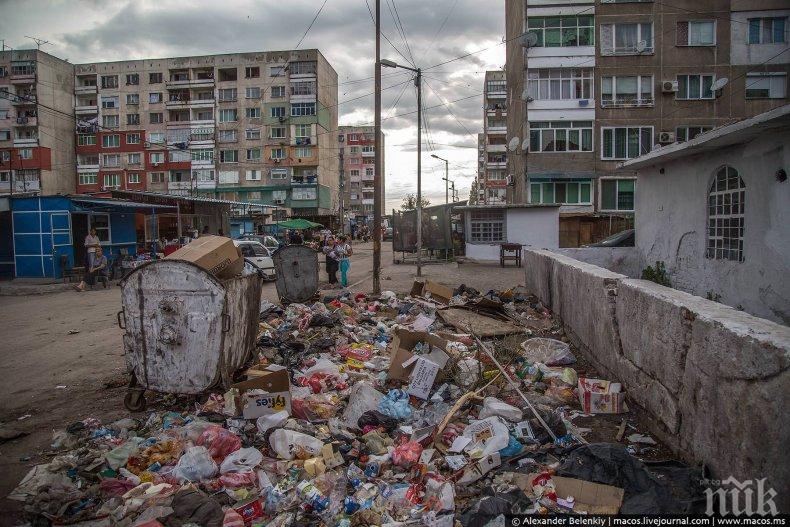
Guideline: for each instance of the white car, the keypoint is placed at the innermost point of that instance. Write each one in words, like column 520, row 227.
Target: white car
column 259, row 255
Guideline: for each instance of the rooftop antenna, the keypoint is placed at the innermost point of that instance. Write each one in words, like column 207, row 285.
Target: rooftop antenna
column 39, row 41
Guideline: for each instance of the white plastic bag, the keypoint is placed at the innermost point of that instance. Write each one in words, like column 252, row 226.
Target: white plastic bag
column 363, row 397
column 322, row 366
column 195, row 465
column 493, row 406
column 550, row 352
column 494, row 436
column 289, row 444
column 468, row 373
column 266, row 422
column 242, row 460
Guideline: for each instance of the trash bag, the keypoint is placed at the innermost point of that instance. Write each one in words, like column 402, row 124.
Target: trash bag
column 490, row 507
column 267, row 422
column 396, row 405
column 493, row 406
column 242, row 460
column 195, row 465
column 377, row 419
column 611, row 464
column 550, row 352
column 219, row 441
column 192, row 506
column 289, row 444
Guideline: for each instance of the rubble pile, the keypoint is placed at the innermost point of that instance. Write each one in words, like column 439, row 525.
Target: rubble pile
column 442, row 408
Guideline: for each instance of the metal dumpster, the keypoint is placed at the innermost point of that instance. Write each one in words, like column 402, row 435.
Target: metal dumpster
column 296, row 267
column 185, row 330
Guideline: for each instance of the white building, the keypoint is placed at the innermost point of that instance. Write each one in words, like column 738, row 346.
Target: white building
column 716, row 211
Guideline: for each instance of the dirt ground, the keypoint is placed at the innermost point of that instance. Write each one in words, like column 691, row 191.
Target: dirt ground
column 62, row 357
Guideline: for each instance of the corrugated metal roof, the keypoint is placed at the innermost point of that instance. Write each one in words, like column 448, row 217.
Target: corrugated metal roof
column 197, row 199
column 116, row 203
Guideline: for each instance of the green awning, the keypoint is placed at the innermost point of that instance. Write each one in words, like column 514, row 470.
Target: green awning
column 298, row 223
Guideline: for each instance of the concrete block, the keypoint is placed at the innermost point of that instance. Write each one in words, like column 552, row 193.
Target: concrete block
column 537, row 270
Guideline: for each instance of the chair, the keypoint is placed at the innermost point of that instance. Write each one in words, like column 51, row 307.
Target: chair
column 70, row 272
column 506, row 248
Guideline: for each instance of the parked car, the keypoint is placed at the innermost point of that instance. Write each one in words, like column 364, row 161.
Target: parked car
column 621, row 239
column 255, row 252
column 270, row 242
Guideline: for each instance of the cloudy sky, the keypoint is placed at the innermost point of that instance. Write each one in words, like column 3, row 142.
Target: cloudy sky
column 436, row 31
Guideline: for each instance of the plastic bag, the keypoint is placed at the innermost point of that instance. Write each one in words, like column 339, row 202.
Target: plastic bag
column 195, row 465
column 548, row 351
column 491, row 433
column 406, row 454
column 117, row 457
column 396, row 405
column 266, row 422
column 242, row 460
column 362, row 398
column 376, row 419
column 493, row 406
column 289, row 444
column 513, row 447
column 468, row 373
column 315, row 407
column 219, row 441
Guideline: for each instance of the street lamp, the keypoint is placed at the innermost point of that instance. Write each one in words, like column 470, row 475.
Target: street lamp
column 418, row 83
column 445, row 178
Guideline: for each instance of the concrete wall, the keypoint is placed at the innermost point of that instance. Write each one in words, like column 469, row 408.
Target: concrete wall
column 713, row 378
column 534, row 227
column 672, row 218
column 623, row 260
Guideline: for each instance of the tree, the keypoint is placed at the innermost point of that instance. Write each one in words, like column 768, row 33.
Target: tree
column 410, row 202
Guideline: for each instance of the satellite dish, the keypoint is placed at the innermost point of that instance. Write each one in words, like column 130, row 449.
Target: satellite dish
column 528, row 40
column 719, row 84
column 513, row 144
column 525, row 96
column 525, row 146
column 641, row 46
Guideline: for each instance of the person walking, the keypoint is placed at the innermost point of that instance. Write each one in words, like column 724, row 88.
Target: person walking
column 332, row 259
column 344, row 251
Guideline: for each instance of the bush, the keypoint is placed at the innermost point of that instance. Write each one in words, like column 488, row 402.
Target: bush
column 657, row 274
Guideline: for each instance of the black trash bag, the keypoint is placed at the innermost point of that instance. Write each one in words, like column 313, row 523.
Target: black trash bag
column 193, row 506
column 684, row 482
column 321, row 320
column 376, row 418
column 492, row 505
column 322, row 344
column 611, row 464
column 554, row 422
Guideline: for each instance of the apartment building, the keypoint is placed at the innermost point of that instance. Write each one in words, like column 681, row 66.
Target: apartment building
column 36, row 123
column 477, row 188
column 607, row 81
column 254, row 127
column 357, row 162
column 493, row 180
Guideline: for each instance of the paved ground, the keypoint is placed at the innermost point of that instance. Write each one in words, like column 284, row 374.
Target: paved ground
column 62, row 358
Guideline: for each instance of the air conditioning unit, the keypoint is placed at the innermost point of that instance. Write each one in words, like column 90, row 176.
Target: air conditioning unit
column 156, row 164
column 282, row 119
column 279, row 202
column 666, row 137
column 669, row 86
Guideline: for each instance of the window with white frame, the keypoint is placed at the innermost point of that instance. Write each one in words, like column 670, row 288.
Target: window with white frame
column 202, row 154
column 157, row 177
column 696, row 33
column 560, row 84
column 101, row 221
column 687, row 133
column 254, row 155
column 279, row 195
column 134, row 159
column 155, row 97
column 768, row 30
column 109, row 101
column 132, row 139
column 253, row 113
column 133, row 177
column 303, row 130
column 110, row 121
column 278, row 91
column 301, row 194
column 228, row 156
column 299, row 109
column 496, row 175
column 278, row 173
column 560, row 136
column 691, row 87
column 277, row 132
column 303, row 88
column 252, row 133
column 228, row 115
column 204, row 175
column 112, row 181
column 253, row 175
column 132, row 98
column 227, row 94
column 565, row 192
column 5, row 156
column 155, row 78
column 253, row 92
column 766, row 85
column 559, row 31
column 226, row 136
column 111, row 160
column 496, row 194
column 627, row 38
column 278, row 153
column 109, row 81
column 617, row 194
column 626, row 142
column 277, row 71
column 726, row 216
column 487, row 226
column 132, row 79
column 252, row 72
column 627, row 90
column 354, row 150
column 82, row 139
column 303, row 151
column 180, row 156
column 156, row 138
column 303, row 67
column 156, row 157
column 368, row 149
column 89, row 178
column 354, row 173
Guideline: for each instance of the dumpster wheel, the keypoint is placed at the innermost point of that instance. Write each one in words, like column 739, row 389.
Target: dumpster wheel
column 134, row 401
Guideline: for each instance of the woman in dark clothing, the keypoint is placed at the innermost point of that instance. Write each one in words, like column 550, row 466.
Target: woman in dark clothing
column 332, row 259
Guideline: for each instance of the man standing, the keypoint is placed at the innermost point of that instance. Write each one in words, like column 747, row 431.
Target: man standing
column 332, row 259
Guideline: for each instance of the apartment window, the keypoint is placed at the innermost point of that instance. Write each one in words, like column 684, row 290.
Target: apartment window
column 134, row 159
column 726, row 216
column 109, row 101
column 687, row 133
column 227, row 94
column 157, row 177
column 766, row 85
column 3, row 73
column 354, row 173
column 132, row 118
column 626, row 39
column 252, row 72
column 157, row 157
column 254, row 155
column 154, row 97
column 179, row 156
column 487, row 226
column 368, row 149
column 496, row 175
column 277, row 132
column 228, row 156
column 227, row 74
column 354, row 150
column 562, row 192
column 627, row 90
column 132, row 98
column 626, row 142
column 559, row 31
column 560, row 136
column 89, row 178
column 227, row 136
column 205, row 175
column 253, row 93
column 156, row 118
column 111, row 141
column 253, row 133
column 132, row 79
column 111, row 160
column 303, row 88
column 276, row 71
column 25, row 153
column 278, row 91
column 133, row 177
column 496, row 122
column 302, row 108
column 254, row 175
column 155, row 138
column 770, row 30
column 496, row 86
column 694, row 87
column 205, row 115
column 277, row 111
column 132, row 139
column 278, row 153
column 155, row 78
column 303, row 130
column 303, row 151
column 301, row 194
column 279, row 173
column 304, row 67
column 255, row 195
column 368, row 172
column 109, row 81
column 82, row 139
column 202, row 154
column 5, row 156
column 560, row 84
column 253, row 113
column 696, row 33
column 111, row 181
column 228, row 115
column 617, row 194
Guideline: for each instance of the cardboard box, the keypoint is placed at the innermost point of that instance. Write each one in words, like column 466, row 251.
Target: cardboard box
column 592, row 498
column 215, row 254
column 403, row 341
column 601, row 397
column 437, row 292
column 276, row 384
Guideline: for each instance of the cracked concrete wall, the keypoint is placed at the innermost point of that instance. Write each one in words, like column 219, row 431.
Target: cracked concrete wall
column 715, row 380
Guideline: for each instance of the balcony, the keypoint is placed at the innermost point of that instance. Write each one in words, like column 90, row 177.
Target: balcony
column 302, row 141
column 189, row 83
column 497, row 130
column 86, row 109
column 85, row 90
column 23, row 78
column 496, row 148
column 23, row 99
column 627, row 102
column 28, row 120
column 26, row 142
column 28, row 184
column 88, row 165
column 179, row 185
column 205, row 184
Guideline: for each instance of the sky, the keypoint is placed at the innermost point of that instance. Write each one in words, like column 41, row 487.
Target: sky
column 435, row 30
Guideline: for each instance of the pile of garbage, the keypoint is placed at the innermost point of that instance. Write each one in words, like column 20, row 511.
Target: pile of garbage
column 440, row 408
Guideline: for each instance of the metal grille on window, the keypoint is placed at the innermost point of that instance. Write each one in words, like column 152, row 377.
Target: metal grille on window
column 487, row 225
column 726, row 216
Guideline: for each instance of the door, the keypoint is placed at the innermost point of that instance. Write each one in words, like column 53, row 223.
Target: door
column 61, row 242
column 585, row 233
column 79, row 230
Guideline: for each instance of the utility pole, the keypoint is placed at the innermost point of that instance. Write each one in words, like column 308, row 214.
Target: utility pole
column 418, row 83
column 378, row 167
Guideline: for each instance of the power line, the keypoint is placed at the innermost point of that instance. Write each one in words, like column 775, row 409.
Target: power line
column 403, row 32
column 384, row 35
column 441, row 27
column 474, row 136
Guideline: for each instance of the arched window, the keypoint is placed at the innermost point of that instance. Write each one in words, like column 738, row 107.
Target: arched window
column 726, row 217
